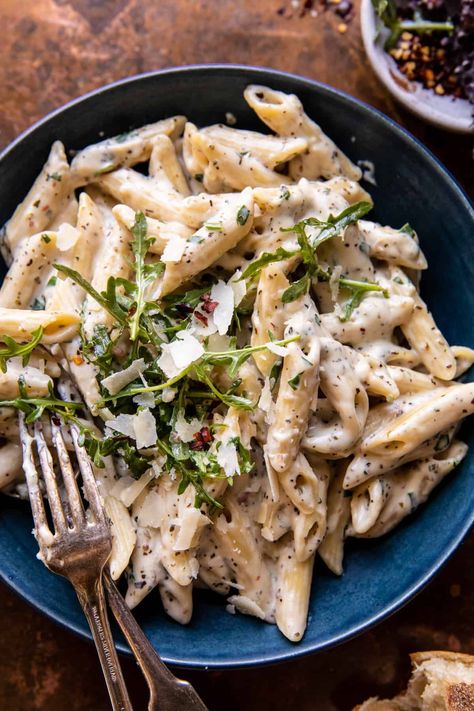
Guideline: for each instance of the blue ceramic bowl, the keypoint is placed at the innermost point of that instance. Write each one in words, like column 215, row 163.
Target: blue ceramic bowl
column 412, row 186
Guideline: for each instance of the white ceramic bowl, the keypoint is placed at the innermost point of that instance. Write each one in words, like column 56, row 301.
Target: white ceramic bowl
column 443, row 111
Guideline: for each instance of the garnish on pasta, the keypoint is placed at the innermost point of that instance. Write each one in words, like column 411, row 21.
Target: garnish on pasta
column 247, row 358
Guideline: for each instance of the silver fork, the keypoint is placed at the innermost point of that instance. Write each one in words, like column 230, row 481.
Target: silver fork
column 80, row 544
column 78, row 549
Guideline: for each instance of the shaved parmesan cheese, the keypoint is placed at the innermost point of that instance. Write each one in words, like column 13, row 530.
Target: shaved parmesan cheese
column 277, row 350
column 227, row 459
column 144, row 399
column 266, row 403
column 67, row 237
column 204, row 326
column 144, row 426
column 246, row 606
column 224, row 295
column 140, row 427
column 177, row 355
column 168, row 394
column 189, row 523
column 123, row 424
column 186, row 430
column 238, row 287
column 115, row 382
column 174, row 250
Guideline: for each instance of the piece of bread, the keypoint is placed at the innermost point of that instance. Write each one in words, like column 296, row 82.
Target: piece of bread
column 440, row 681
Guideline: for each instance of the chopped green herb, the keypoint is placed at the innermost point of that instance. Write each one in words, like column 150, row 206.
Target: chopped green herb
column 213, row 227
column 408, row 229
column 285, row 193
column 45, row 238
column 39, row 303
column 53, row 176
column 14, row 349
column 243, row 215
column 294, row 382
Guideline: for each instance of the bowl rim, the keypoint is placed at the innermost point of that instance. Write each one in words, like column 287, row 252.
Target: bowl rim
column 415, row 103
column 302, row 649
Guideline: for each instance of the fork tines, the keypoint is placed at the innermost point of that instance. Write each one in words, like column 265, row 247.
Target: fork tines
column 65, row 502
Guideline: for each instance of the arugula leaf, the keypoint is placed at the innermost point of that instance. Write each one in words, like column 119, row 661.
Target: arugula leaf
column 99, row 348
column 358, row 290
column 266, row 258
column 297, row 289
column 143, row 277
column 408, row 229
column 14, row 349
column 333, row 226
column 106, row 299
column 33, row 407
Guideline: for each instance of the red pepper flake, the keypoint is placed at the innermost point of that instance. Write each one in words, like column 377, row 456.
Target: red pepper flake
column 206, row 434
column 201, row 438
column 200, row 317
column 132, row 310
column 78, row 360
column 45, row 208
column 208, row 305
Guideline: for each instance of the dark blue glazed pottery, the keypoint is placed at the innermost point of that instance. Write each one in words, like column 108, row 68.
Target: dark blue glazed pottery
column 412, row 186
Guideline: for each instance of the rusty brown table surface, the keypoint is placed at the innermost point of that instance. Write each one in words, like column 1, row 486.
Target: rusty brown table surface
column 54, row 50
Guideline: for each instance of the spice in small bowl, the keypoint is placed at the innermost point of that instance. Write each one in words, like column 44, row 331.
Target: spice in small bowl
column 432, row 42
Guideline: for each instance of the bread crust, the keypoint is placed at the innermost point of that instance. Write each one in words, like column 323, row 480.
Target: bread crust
column 420, row 657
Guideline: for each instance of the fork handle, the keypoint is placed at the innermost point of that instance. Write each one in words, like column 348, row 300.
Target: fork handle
column 92, row 600
column 167, row 693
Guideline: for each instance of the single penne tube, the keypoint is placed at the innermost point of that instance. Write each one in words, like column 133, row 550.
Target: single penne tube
column 227, row 169
column 20, row 324
column 145, row 571
column 44, row 201
column 348, row 397
column 284, row 114
column 366, row 465
column 464, row 359
column 309, row 528
column 374, row 320
column 11, row 461
column 419, row 423
column 127, row 149
column 331, row 550
column 271, row 150
column 142, row 194
column 268, row 316
column 160, row 232
column 294, row 404
column 409, row 380
column 367, row 502
column 237, row 538
column 177, row 599
column 33, row 257
column 293, row 589
column 410, row 486
column 391, row 245
column 228, row 226
column 301, row 485
column 164, row 166
column 36, row 382
column 123, row 536
column 421, row 331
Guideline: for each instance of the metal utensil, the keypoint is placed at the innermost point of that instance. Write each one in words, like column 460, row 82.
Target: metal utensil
column 167, row 693
column 80, row 544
